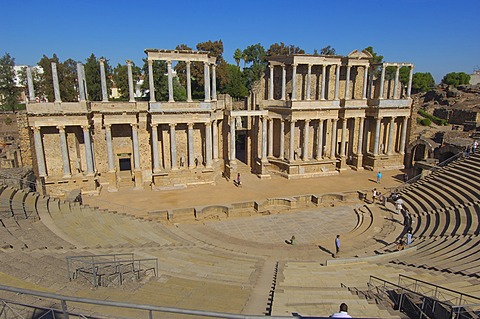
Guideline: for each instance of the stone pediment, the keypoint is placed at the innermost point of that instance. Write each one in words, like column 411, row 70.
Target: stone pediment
column 364, row 54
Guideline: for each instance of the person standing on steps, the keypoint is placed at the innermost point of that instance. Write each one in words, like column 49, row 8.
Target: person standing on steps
column 337, row 246
column 474, row 147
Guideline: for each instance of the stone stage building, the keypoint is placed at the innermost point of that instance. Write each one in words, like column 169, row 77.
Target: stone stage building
column 307, row 116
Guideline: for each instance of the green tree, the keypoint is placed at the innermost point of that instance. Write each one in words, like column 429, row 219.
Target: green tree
column 160, row 80
column 328, row 50
column 120, row 78
column 255, row 56
column 68, row 81
column 45, row 87
column 456, row 79
column 215, row 49
column 9, row 92
column 93, row 79
column 282, row 49
column 422, row 82
column 236, row 84
column 376, row 58
column 237, row 55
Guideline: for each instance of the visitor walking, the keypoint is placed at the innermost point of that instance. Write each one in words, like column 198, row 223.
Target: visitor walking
column 238, row 180
column 379, row 177
column 474, row 146
column 337, row 245
column 374, row 195
column 409, row 237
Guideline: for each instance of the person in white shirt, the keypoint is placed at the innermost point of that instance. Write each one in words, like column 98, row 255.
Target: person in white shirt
column 343, row 313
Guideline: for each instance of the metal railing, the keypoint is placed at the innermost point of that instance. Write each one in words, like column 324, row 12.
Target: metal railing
column 105, row 269
column 454, row 297
column 141, row 310
column 416, row 303
column 418, row 177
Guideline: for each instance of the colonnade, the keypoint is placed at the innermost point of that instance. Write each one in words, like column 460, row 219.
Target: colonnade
column 318, row 151
column 347, row 93
column 210, row 81
column 39, row 151
column 210, row 146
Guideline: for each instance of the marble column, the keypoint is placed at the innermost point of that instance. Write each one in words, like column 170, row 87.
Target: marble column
column 337, row 81
column 270, row 92
column 88, row 149
column 382, row 82
column 108, row 137
column 343, row 143
column 191, row 151
column 390, row 135
column 264, row 138
column 131, row 87
column 347, row 83
column 31, row 90
column 410, row 78
column 306, row 140
column 214, row 82
column 403, row 136
column 270, row 137
column 284, row 82
column 64, row 149
column 333, row 145
column 282, row 139
column 189, row 82
column 56, row 86
column 324, row 78
column 294, row 82
column 208, row 144
column 156, row 162
column 151, row 83
column 37, row 136
column 309, row 80
column 215, row 140
column 81, row 88
column 84, row 81
column 319, row 150
column 360, row 136
column 136, row 150
column 173, row 146
column 365, row 79
column 170, row 82
column 206, row 80
column 233, row 155
column 103, row 79
column 395, row 85
column 377, row 135
column 291, row 156
column 370, row 86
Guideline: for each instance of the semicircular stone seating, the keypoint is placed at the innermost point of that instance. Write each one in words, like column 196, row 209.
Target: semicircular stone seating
column 196, row 273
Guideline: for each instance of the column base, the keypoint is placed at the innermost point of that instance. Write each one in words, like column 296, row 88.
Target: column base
column 138, row 180
column 358, row 162
column 342, row 163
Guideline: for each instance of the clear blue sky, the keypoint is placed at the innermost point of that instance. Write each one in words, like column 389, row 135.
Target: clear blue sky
column 438, row 36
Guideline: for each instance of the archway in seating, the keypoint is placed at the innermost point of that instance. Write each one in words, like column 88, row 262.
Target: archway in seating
column 419, row 150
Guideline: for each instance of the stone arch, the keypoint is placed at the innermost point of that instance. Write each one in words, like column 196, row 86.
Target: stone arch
column 448, row 150
column 419, row 150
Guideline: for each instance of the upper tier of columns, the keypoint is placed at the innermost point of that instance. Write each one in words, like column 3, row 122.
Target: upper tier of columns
column 328, row 70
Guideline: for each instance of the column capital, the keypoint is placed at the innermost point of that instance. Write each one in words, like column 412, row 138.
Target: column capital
column 101, row 60
column 85, row 127
column 208, row 123
column 36, row 128
column 150, row 62
column 107, row 126
column 271, row 66
column 61, row 127
column 128, row 62
column 154, row 125
column 169, row 62
column 282, row 65
column 188, row 62
column 190, row 125
column 307, row 120
column 294, row 65
column 310, row 66
column 172, row 125
column 134, row 125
